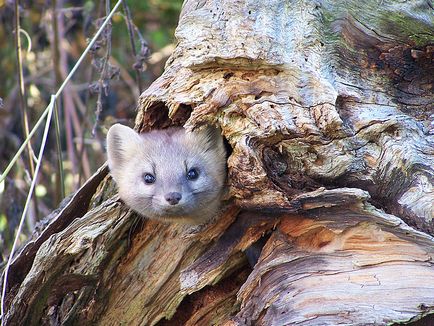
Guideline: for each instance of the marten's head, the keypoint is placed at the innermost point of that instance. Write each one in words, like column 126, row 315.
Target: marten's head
column 169, row 174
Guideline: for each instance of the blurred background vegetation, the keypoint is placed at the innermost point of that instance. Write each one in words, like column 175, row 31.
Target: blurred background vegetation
column 104, row 90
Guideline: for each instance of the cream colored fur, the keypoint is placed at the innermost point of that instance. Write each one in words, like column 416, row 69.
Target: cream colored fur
column 168, row 155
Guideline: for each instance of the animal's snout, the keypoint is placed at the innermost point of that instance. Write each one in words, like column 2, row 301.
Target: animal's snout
column 173, row 198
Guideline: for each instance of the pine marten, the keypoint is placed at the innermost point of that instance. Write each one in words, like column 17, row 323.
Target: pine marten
column 171, row 175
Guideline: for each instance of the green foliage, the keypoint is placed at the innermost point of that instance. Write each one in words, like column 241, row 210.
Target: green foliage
column 3, row 222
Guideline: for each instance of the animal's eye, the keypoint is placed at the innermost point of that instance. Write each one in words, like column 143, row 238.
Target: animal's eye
column 148, row 178
column 192, row 174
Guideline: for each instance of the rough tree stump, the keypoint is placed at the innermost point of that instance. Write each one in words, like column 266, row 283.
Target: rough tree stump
column 328, row 110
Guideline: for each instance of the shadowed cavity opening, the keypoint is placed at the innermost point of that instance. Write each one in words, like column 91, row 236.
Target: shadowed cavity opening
column 156, row 116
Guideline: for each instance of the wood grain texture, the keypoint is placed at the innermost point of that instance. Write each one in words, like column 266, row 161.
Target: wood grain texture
column 328, row 109
column 335, row 92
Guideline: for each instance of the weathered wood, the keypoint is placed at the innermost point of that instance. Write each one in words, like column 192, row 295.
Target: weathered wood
column 328, row 110
column 320, row 268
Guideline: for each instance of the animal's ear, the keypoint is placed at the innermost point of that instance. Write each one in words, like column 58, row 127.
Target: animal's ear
column 214, row 139
column 122, row 142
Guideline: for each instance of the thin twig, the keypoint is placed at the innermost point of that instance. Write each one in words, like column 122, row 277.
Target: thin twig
column 68, row 106
column 87, row 107
column 133, row 43
column 28, row 38
column 103, row 82
column 78, row 130
column 22, row 97
column 84, row 166
column 60, row 176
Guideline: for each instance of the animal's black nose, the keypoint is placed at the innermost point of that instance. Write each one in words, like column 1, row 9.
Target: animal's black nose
column 173, row 197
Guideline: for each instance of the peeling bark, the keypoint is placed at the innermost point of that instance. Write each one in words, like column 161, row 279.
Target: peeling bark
column 328, row 110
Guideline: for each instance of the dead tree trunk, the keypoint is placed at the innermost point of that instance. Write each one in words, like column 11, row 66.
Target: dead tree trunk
column 328, row 109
